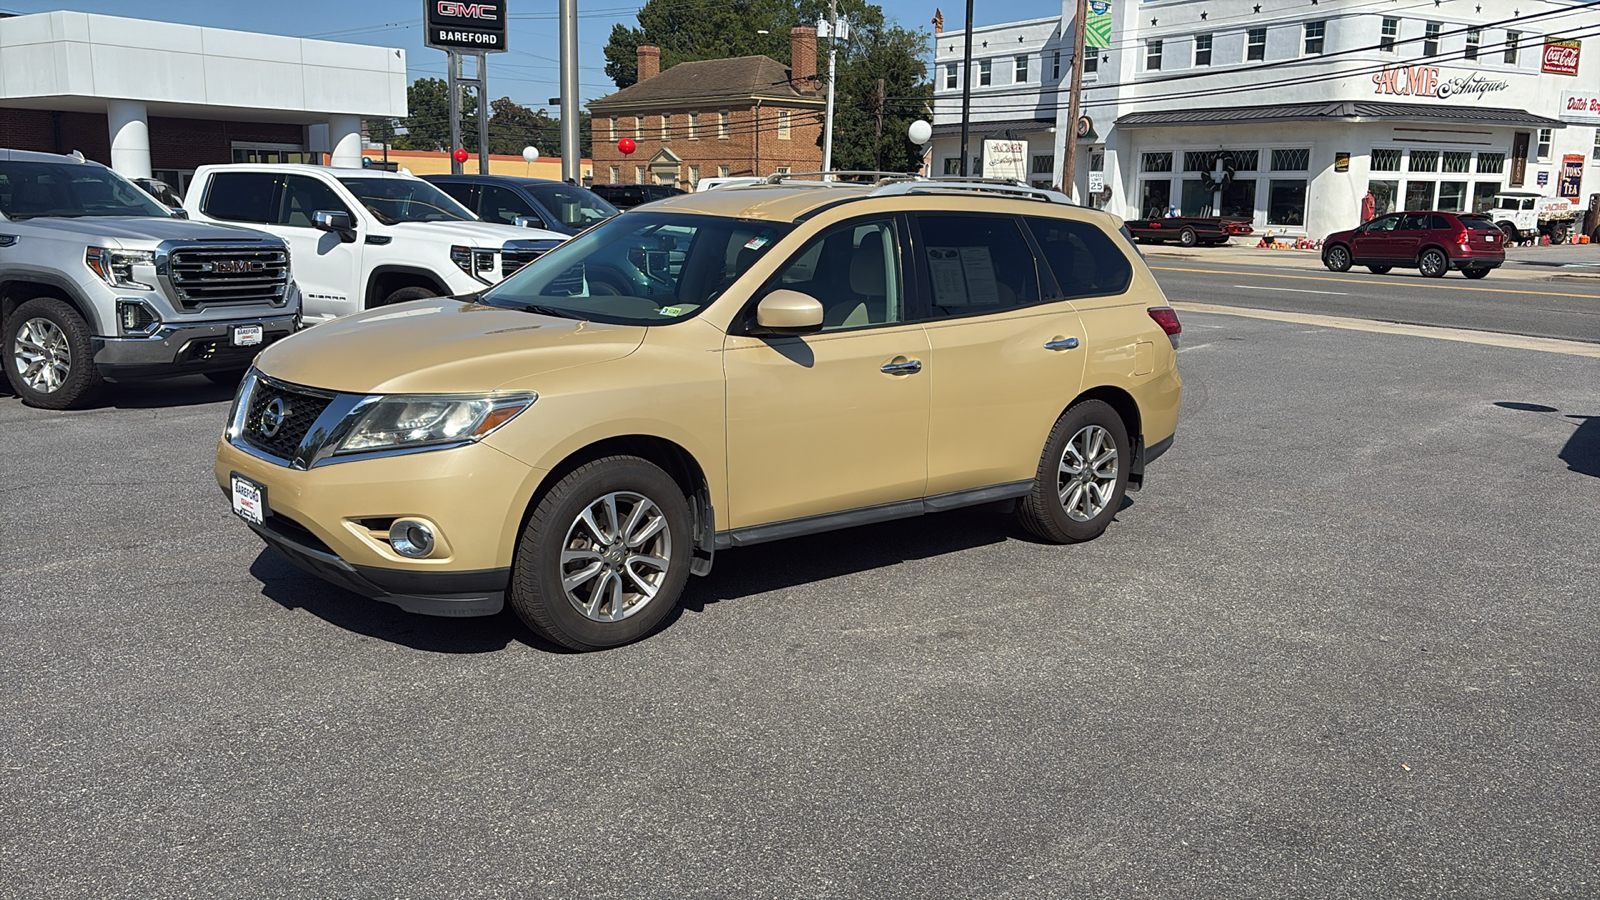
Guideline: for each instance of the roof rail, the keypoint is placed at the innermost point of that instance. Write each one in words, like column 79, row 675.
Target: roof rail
column 856, row 176
column 921, row 185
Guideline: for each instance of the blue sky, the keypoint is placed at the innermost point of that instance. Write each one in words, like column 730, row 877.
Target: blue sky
column 527, row 74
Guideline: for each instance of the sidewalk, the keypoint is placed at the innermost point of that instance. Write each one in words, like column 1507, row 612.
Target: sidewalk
column 1522, row 263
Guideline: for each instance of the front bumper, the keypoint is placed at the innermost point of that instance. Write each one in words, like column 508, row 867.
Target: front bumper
column 330, row 520
column 181, row 349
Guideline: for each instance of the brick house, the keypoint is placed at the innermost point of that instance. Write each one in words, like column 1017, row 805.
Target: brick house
column 743, row 116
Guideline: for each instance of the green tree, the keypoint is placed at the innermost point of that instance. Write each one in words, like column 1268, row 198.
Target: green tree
column 428, row 125
column 869, row 132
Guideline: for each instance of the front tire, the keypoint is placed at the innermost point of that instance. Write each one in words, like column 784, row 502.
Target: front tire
column 1187, row 238
column 407, row 294
column 605, row 555
column 1380, row 270
column 1433, row 263
column 1337, row 258
column 1082, row 476
column 48, row 358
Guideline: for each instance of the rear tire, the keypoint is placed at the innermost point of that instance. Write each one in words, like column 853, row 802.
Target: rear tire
column 605, row 555
column 1380, row 270
column 1082, row 476
column 407, row 294
column 1558, row 234
column 1187, row 238
column 1433, row 263
column 1476, row 273
column 48, row 358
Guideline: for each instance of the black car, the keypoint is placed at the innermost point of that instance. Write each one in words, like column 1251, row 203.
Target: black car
column 627, row 196
column 553, row 205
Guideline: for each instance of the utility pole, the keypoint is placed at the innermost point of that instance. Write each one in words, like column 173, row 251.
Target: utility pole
column 570, row 166
column 879, row 101
column 833, row 59
column 1069, row 166
column 966, row 88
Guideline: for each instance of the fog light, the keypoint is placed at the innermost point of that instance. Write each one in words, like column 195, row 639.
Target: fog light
column 411, row 538
column 137, row 318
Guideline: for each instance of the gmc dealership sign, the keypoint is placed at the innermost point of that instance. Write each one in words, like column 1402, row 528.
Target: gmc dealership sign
column 478, row 27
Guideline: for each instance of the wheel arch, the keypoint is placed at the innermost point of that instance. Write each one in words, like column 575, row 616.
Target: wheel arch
column 1127, row 409
column 385, row 280
column 15, row 291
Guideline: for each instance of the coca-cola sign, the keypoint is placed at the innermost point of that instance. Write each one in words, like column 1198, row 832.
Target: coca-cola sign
column 1561, row 57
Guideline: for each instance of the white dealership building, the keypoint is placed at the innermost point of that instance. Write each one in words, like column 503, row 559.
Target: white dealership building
column 1289, row 111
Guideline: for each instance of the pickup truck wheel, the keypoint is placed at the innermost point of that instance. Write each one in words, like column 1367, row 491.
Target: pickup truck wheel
column 48, row 358
column 1510, row 231
column 605, row 555
column 407, row 294
column 1187, row 238
column 1380, row 270
column 1082, row 477
column 1558, row 234
column 1433, row 263
column 1337, row 258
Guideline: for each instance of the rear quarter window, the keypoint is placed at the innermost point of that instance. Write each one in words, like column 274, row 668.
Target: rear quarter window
column 242, row 197
column 1479, row 223
column 1084, row 259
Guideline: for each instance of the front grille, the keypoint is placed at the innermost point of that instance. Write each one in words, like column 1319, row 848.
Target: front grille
column 300, row 410
column 512, row 260
column 204, row 276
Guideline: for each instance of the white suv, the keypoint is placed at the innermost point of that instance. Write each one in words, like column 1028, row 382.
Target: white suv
column 364, row 238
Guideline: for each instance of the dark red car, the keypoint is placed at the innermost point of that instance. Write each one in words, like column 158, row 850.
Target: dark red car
column 1433, row 242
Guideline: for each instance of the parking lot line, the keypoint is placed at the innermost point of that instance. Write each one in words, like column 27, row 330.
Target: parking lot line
column 1462, row 335
column 1420, row 284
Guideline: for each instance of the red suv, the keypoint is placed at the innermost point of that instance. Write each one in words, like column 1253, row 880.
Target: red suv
column 1434, row 242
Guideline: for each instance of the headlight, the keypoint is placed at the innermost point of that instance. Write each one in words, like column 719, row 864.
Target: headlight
column 115, row 267
column 472, row 261
column 419, row 421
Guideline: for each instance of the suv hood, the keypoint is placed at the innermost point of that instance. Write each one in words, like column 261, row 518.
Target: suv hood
column 140, row 232
column 479, row 235
column 441, row 346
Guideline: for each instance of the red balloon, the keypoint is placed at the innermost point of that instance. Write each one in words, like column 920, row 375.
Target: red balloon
column 627, row 146
column 461, row 154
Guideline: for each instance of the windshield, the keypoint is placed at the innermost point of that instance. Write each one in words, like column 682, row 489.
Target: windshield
column 394, row 200
column 575, row 207
column 640, row 269
column 29, row 189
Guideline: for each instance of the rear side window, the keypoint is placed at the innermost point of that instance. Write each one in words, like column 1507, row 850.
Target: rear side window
column 1437, row 223
column 976, row 264
column 243, row 197
column 1479, row 223
column 1084, row 259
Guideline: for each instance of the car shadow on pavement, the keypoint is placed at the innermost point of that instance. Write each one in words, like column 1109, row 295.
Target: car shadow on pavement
column 288, row 586
column 191, row 390
column 1581, row 453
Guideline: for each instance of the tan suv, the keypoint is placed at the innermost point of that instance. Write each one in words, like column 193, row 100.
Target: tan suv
column 715, row 370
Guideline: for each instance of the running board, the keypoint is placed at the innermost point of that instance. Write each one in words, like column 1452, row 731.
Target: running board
column 867, row 515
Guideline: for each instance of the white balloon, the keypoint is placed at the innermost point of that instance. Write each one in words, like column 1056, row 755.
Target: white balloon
column 530, row 154
column 920, row 132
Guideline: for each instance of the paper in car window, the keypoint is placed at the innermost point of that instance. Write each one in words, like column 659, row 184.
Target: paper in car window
column 949, row 283
column 982, row 289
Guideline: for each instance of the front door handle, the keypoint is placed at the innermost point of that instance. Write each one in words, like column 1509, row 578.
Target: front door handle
column 902, row 366
column 1062, row 344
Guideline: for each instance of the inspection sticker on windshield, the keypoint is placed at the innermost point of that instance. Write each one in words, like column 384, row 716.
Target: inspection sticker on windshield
column 757, row 242
column 671, row 310
column 246, row 335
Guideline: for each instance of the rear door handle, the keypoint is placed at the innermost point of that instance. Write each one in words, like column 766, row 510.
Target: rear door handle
column 1062, row 344
column 903, row 366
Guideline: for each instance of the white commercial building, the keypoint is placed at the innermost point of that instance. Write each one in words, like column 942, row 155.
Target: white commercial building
column 1291, row 111
column 163, row 98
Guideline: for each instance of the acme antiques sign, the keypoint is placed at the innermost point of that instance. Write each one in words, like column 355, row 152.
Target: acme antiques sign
column 1429, row 81
column 1561, row 57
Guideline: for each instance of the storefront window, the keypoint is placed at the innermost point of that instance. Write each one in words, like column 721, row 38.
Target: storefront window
column 1453, row 196
column 1384, row 194
column 1483, row 195
column 1419, row 195
column 1239, row 199
column 1491, row 163
column 1457, row 161
column 1245, row 160
column 1196, row 160
column 1155, row 198
column 1286, row 202
column 1424, row 161
column 1385, row 159
column 1296, row 160
column 1196, row 198
column 1156, row 162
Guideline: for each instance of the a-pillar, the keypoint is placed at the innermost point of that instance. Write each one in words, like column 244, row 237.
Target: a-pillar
column 130, row 138
column 344, row 139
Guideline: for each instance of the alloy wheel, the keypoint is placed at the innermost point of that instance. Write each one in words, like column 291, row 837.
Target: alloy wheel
column 42, row 355
column 1086, row 478
column 615, row 557
column 1338, row 259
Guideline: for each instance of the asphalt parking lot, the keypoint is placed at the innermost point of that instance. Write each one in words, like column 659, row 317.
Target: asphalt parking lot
column 1344, row 644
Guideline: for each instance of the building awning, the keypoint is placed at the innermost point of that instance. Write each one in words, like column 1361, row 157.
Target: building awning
column 999, row 126
column 1344, row 112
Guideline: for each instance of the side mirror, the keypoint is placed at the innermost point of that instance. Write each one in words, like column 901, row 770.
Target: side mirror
column 528, row 222
column 789, row 312
column 178, row 212
column 336, row 222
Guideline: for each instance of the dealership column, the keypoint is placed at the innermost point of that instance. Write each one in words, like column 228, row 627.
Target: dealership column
column 130, row 138
column 344, row 139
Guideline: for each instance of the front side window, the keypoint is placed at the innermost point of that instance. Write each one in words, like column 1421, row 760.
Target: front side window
column 640, row 269
column 1386, row 223
column 574, row 206
column 1315, row 34
column 304, row 197
column 1430, row 39
column 497, row 204
column 1084, row 260
column 854, row 272
column 985, row 73
column 1152, row 55
column 976, row 264
column 1202, row 50
column 395, row 200
column 29, row 189
column 1255, row 46
column 1390, row 31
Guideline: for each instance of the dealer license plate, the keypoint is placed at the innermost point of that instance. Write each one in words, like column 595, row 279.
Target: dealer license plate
column 246, row 335
column 249, row 500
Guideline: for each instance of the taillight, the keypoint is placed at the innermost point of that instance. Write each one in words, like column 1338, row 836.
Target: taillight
column 1462, row 237
column 1167, row 318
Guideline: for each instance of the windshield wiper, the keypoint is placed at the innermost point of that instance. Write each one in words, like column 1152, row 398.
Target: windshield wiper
column 550, row 311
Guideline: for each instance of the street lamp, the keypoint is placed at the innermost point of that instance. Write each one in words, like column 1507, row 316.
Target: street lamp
column 920, row 134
